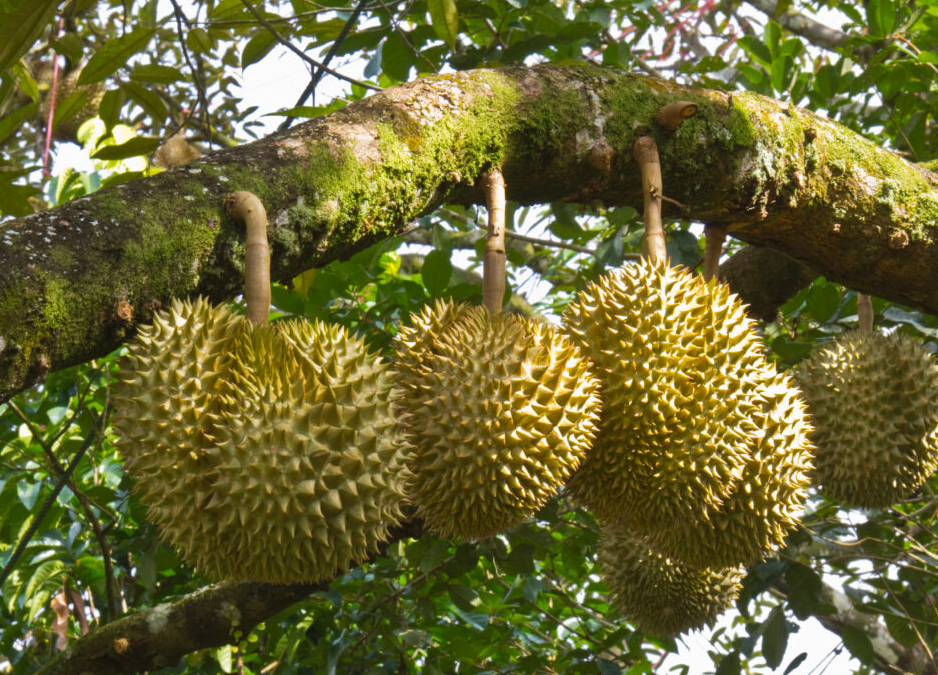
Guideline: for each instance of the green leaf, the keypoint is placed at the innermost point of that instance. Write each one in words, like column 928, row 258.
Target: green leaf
column 257, row 48
column 795, row 662
column 445, row 20
column 148, row 100
column 772, row 37
column 223, row 656
column 46, row 571
column 464, row 598
column 775, row 638
column 154, row 72
column 521, row 559
column 858, row 643
column 13, row 120
column 20, row 28
column 110, row 109
column 729, row 665
column 881, row 17
column 822, row 302
column 396, row 58
column 199, row 41
column 114, row 54
column 135, row 147
column 900, row 629
column 69, row 45
column 436, row 271
column 68, row 107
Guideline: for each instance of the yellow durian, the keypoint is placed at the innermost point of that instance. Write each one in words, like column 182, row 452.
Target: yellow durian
column 265, row 452
column 497, row 412
column 874, row 400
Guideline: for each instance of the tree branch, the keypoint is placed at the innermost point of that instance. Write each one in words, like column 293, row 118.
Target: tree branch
column 815, row 32
column 773, row 174
column 217, row 615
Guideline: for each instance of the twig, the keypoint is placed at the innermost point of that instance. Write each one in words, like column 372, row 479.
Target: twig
column 303, row 55
column 196, row 76
column 310, row 90
column 407, row 42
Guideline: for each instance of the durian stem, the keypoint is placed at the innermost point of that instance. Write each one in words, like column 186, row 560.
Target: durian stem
column 245, row 206
column 670, row 116
column 493, row 264
column 645, row 153
column 865, row 312
column 715, row 236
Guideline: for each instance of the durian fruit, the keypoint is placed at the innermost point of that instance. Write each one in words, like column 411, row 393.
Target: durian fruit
column 682, row 370
column 168, row 386
column 767, row 501
column 497, row 412
column 874, row 400
column 265, row 452
column 658, row 595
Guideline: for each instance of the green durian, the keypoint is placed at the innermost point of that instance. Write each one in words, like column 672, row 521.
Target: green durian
column 497, row 412
column 682, row 370
column 286, row 467
column 658, row 595
column 874, row 400
column 765, row 503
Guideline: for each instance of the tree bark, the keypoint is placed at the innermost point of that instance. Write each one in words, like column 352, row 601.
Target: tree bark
column 74, row 281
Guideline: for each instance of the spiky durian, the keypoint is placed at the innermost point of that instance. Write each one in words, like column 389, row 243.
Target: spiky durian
column 765, row 504
column 681, row 368
column 295, row 471
column 168, row 385
column 874, row 400
column 497, row 412
column 658, row 595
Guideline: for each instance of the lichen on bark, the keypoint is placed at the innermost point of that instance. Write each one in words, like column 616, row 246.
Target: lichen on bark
column 772, row 173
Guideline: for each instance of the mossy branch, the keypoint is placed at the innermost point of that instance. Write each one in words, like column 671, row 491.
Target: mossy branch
column 75, row 280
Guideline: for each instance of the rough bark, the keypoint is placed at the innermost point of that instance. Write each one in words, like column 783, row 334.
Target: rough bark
column 774, row 174
column 158, row 637
column 217, row 615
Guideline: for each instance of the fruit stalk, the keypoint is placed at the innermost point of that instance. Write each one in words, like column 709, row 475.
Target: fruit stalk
column 246, row 207
column 865, row 312
column 493, row 264
column 715, row 236
column 645, row 153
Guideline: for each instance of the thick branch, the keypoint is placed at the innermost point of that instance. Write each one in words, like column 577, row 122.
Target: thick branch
column 211, row 617
column 815, row 32
column 773, row 174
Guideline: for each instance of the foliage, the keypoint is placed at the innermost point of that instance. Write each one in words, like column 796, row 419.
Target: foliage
column 529, row 601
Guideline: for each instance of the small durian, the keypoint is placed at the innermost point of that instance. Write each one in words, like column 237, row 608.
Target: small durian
column 681, row 368
column 265, row 452
column 658, row 595
column 767, row 501
column 497, row 412
column 874, row 400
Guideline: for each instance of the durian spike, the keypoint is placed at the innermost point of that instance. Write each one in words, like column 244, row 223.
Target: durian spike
column 245, row 206
column 493, row 264
column 645, row 153
column 715, row 236
column 865, row 312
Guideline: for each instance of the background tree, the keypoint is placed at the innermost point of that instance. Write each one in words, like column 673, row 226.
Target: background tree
column 83, row 568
